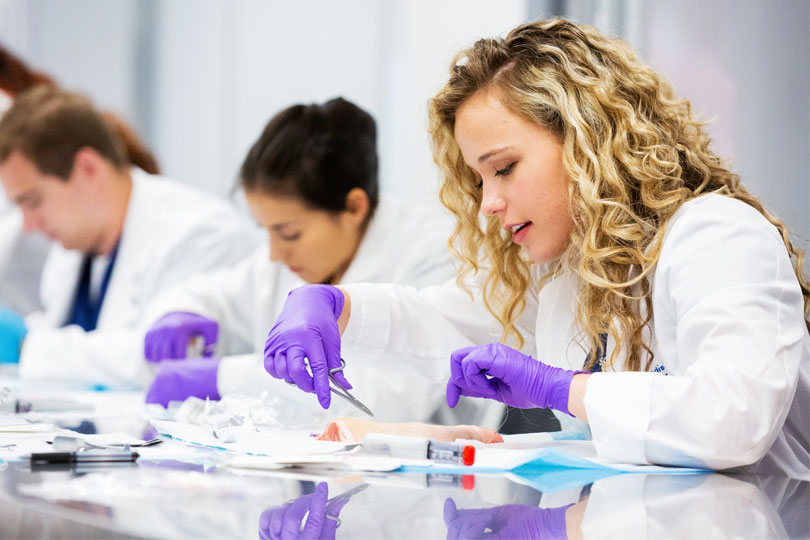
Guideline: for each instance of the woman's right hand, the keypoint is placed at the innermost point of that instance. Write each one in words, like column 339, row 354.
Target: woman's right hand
column 307, row 330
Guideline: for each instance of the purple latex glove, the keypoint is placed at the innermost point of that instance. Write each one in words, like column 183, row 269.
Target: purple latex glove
column 175, row 381
column 512, row 521
column 285, row 521
column 169, row 336
column 498, row 372
column 305, row 330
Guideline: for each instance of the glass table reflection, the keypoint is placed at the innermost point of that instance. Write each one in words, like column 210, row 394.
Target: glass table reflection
column 172, row 499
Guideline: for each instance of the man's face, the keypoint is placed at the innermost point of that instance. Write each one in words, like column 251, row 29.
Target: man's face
column 62, row 210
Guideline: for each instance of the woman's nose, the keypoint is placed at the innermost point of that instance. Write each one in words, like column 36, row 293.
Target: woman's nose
column 275, row 252
column 492, row 201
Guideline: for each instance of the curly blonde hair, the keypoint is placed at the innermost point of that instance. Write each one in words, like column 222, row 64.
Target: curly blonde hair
column 634, row 153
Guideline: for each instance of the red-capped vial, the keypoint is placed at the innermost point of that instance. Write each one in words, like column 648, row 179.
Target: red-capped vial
column 468, row 455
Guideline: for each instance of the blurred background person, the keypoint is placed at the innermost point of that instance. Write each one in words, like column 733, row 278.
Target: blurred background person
column 311, row 180
column 22, row 255
column 123, row 235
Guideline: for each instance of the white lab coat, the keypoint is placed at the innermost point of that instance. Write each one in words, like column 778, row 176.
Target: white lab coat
column 407, row 246
column 731, row 380
column 21, row 259
column 171, row 231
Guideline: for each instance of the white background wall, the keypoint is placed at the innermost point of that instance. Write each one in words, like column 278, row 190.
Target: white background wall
column 746, row 65
column 199, row 78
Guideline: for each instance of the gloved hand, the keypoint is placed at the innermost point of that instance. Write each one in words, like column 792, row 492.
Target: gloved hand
column 501, row 373
column 512, row 521
column 12, row 333
column 169, row 336
column 285, row 521
column 307, row 329
column 175, row 381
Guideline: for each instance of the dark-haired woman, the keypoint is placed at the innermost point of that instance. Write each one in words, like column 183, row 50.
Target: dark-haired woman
column 311, row 181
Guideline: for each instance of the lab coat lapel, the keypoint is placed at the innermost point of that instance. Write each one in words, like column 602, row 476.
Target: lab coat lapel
column 121, row 302
column 59, row 287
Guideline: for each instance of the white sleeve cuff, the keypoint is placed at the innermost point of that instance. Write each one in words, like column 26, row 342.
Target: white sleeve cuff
column 618, row 408
column 242, row 374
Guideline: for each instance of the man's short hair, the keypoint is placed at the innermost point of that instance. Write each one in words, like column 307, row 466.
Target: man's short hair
column 49, row 126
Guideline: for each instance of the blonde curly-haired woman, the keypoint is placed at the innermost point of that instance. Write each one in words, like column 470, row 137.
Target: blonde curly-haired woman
column 597, row 232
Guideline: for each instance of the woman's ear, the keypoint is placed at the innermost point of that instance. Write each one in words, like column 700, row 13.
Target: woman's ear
column 357, row 205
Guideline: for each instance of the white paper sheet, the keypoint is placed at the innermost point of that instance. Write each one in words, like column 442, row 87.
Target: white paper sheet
column 274, row 443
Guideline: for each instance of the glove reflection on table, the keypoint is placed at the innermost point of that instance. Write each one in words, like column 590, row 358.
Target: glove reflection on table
column 178, row 380
column 307, row 329
column 513, row 521
column 12, row 333
column 169, row 337
column 498, row 372
column 287, row 521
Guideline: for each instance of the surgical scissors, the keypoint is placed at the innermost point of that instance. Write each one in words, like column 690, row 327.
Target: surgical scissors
column 340, row 391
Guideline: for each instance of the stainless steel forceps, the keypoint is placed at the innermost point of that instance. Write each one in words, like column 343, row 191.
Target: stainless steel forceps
column 342, row 392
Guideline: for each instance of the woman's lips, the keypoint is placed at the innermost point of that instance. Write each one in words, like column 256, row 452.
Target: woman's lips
column 520, row 234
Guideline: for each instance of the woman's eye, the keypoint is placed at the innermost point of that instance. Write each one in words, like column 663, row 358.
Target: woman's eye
column 480, row 185
column 290, row 237
column 33, row 204
column 505, row 171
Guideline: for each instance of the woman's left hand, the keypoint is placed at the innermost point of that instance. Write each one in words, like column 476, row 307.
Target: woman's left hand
column 498, row 372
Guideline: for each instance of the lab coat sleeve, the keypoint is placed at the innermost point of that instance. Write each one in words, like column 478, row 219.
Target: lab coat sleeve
column 224, row 296
column 416, row 330
column 110, row 358
column 113, row 355
column 725, row 291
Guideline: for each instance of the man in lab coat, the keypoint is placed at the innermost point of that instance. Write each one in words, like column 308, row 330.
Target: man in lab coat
column 123, row 236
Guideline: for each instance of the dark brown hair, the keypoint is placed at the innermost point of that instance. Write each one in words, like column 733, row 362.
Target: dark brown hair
column 49, row 126
column 316, row 153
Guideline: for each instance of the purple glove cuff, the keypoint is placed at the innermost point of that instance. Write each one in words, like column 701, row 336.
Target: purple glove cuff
column 560, row 389
column 335, row 296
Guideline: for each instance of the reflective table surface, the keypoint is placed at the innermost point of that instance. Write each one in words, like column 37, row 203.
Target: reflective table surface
column 176, row 497
column 171, row 499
